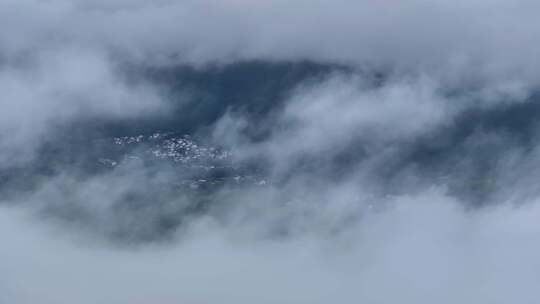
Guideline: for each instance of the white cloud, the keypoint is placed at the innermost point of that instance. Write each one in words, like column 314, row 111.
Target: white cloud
column 306, row 237
column 423, row 249
column 56, row 87
column 447, row 39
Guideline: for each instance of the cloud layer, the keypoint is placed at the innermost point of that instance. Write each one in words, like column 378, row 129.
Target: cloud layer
column 426, row 249
column 401, row 170
column 448, row 39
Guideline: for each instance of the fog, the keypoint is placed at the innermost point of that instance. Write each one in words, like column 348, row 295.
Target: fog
column 450, row 39
column 425, row 249
column 269, row 152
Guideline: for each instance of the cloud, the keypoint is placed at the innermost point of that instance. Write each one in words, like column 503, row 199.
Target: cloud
column 423, row 249
column 404, row 175
column 447, row 40
column 52, row 88
column 331, row 115
column 88, row 39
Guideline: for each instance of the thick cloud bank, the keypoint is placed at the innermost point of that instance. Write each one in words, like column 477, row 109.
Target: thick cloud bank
column 424, row 250
column 269, row 151
column 490, row 38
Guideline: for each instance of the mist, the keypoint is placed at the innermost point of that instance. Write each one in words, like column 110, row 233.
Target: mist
column 269, row 152
column 424, row 249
